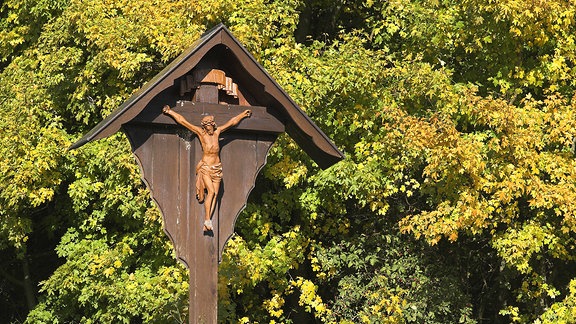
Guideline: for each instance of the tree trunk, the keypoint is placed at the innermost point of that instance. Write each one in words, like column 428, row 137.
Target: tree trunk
column 29, row 290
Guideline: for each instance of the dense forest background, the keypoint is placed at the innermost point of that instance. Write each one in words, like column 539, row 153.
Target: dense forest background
column 456, row 202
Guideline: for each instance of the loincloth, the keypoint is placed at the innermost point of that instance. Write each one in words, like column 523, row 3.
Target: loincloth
column 213, row 171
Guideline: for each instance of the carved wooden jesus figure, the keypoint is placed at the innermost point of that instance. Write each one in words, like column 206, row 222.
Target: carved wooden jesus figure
column 209, row 169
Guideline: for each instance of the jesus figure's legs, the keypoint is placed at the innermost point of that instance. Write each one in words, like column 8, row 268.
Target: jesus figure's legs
column 210, row 200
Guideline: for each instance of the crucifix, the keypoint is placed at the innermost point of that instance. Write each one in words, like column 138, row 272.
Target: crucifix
column 200, row 131
column 209, row 169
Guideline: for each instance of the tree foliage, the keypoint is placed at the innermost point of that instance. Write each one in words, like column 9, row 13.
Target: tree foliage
column 454, row 202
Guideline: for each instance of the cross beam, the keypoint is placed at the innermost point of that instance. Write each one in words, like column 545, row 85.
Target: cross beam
column 260, row 121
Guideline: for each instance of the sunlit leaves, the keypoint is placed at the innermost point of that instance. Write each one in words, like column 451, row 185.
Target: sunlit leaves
column 564, row 311
column 245, row 268
column 108, row 272
column 518, row 246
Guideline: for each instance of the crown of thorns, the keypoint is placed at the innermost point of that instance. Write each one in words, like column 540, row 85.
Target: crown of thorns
column 208, row 120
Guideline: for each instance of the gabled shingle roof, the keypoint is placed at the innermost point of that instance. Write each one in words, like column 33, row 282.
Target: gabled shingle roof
column 298, row 125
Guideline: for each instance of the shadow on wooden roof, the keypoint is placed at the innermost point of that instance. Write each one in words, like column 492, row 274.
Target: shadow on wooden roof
column 249, row 72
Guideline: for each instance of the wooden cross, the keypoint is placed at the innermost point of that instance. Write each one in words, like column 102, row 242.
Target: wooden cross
column 215, row 77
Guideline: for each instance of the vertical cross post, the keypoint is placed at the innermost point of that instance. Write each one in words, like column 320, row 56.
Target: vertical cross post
column 203, row 270
column 203, row 290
